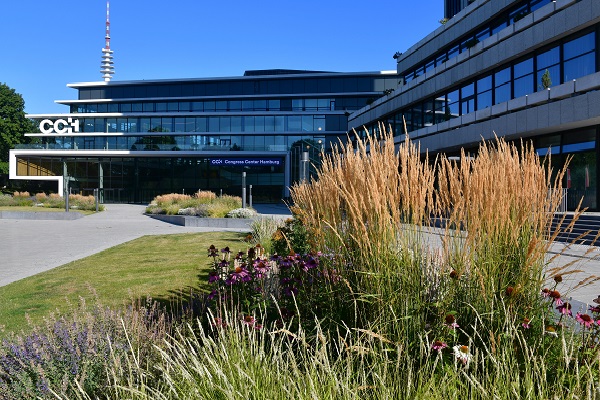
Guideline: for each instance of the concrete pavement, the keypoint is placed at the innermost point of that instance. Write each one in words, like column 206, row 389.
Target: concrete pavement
column 28, row 247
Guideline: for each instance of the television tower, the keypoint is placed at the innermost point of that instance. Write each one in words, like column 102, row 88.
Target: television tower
column 107, row 67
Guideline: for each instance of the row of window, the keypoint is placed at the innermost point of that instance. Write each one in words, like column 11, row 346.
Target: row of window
column 211, row 106
column 496, row 25
column 244, row 87
column 149, row 177
column 253, row 123
column 183, row 143
column 553, row 65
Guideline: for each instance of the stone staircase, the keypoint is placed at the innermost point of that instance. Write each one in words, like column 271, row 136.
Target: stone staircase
column 583, row 232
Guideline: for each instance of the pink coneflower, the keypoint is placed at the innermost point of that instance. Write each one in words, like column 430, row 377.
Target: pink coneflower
column 565, row 308
column 595, row 309
column 438, row 345
column 555, row 295
column 545, row 292
column 558, row 278
column 526, row 324
column 213, row 276
column 219, row 323
column 251, row 322
column 509, row 291
column 585, row 320
column 451, row 321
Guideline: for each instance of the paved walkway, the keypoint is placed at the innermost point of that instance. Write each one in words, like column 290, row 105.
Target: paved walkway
column 28, row 247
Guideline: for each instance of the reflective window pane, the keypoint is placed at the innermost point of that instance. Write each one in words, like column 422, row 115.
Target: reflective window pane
column 579, row 46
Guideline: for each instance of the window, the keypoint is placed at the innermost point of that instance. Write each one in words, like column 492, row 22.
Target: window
column 579, row 57
column 523, row 78
column 548, row 61
column 467, row 99
column 484, row 92
column 502, row 86
column 452, row 105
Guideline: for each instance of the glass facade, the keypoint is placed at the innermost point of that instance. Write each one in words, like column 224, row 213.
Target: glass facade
column 501, row 21
column 571, row 58
column 150, row 138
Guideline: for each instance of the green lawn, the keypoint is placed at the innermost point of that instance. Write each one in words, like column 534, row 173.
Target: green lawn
column 156, row 266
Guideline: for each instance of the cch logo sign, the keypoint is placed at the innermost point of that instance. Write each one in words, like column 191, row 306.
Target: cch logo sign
column 59, row 126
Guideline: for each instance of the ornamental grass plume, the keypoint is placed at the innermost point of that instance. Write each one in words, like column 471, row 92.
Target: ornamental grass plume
column 376, row 201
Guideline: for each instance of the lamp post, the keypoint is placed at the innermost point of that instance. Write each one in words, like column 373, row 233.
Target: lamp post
column 244, row 189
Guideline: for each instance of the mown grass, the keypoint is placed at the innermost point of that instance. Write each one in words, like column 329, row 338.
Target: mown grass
column 162, row 267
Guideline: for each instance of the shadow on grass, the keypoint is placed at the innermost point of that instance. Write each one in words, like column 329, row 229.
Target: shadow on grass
column 187, row 303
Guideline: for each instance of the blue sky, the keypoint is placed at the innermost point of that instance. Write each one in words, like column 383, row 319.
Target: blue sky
column 47, row 44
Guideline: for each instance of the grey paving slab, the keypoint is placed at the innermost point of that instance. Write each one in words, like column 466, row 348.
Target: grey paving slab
column 28, row 247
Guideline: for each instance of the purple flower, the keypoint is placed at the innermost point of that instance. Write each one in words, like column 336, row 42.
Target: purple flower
column 438, row 345
column 290, row 290
column 585, row 320
column 595, row 309
column 451, row 321
column 213, row 276
column 565, row 308
column 526, row 324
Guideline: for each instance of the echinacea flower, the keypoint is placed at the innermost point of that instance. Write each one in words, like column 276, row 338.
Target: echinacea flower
column 251, row 322
column 509, row 291
column 555, row 296
column 213, row 276
column 219, row 323
column 526, row 324
column 438, row 345
column 453, row 274
column 545, row 292
column 451, row 321
column 461, row 353
column 595, row 309
column 585, row 320
column 565, row 308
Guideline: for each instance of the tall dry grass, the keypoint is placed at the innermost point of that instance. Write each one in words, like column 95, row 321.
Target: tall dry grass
column 377, row 204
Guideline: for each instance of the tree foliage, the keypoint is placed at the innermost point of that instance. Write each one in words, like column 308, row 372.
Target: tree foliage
column 13, row 124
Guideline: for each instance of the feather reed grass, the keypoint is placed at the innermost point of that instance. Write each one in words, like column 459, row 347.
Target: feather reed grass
column 376, row 204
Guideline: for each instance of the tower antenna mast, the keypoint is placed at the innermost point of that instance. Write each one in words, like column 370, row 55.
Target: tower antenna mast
column 107, row 67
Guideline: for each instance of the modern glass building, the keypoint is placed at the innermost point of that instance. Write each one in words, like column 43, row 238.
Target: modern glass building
column 453, row 7
column 513, row 68
column 134, row 140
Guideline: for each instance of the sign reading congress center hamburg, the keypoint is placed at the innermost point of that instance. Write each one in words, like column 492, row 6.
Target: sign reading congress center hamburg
column 247, row 162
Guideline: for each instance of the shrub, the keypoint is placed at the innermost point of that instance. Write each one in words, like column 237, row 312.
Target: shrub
column 292, row 237
column 241, row 213
column 41, row 197
column 79, row 348
column 6, row 200
column 205, row 195
column 262, row 231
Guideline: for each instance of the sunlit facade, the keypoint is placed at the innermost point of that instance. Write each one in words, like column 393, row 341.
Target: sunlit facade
column 517, row 69
column 134, row 140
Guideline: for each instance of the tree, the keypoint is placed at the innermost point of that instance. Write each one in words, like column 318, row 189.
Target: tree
column 13, row 124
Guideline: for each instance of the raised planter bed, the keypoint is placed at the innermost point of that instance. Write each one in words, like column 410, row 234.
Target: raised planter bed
column 41, row 215
column 186, row 220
